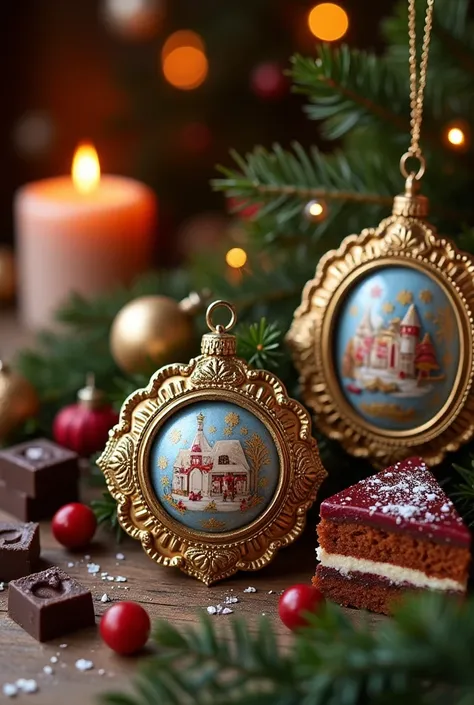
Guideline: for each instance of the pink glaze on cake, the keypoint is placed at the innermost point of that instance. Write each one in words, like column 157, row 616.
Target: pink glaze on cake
column 405, row 497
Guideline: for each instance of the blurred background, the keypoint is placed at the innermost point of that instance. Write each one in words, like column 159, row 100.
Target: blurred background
column 163, row 88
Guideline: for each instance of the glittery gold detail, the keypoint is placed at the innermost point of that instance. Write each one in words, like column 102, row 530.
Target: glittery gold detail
column 405, row 297
column 213, row 524
column 426, row 296
column 175, row 435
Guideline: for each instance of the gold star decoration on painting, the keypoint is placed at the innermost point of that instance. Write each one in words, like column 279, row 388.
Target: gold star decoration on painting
column 388, row 307
column 405, row 297
column 175, row 435
column 162, row 462
column 426, row 296
column 353, row 311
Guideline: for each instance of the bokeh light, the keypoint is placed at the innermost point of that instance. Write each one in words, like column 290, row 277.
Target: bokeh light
column 182, row 38
column 328, row 21
column 315, row 209
column 184, row 61
column 236, row 258
column 456, row 136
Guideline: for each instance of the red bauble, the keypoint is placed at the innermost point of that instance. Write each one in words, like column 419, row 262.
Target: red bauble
column 74, row 525
column 268, row 81
column 125, row 627
column 245, row 213
column 84, row 426
column 297, row 600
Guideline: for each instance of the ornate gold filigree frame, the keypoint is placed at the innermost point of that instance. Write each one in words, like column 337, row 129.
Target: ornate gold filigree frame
column 403, row 239
column 216, row 375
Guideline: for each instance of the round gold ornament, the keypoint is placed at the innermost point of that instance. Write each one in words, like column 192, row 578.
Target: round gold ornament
column 7, row 275
column 152, row 331
column 212, row 465
column 18, row 400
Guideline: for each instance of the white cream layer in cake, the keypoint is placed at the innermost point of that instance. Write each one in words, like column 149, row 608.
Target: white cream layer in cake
column 395, row 573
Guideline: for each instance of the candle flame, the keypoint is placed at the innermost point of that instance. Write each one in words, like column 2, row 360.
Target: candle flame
column 85, row 168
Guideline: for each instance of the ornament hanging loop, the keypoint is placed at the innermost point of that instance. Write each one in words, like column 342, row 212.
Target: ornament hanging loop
column 421, row 169
column 219, row 342
column 219, row 328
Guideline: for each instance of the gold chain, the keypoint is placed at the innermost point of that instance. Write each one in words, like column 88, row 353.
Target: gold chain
column 417, row 81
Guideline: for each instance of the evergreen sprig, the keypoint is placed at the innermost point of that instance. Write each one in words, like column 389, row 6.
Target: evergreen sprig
column 348, row 88
column 105, row 510
column 259, row 343
column 421, row 657
column 465, row 491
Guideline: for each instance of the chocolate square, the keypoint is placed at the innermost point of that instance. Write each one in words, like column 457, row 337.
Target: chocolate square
column 50, row 604
column 19, row 549
column 38, row 467
column 25, row 508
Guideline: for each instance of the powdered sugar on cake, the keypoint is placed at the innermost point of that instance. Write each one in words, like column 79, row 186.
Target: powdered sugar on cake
column 407, row 497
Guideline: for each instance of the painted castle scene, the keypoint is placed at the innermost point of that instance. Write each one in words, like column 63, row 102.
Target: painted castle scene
column 397, row 348
column 215, row 467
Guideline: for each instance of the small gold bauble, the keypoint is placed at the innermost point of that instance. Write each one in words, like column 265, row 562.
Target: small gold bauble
column 150, row 332
column 7, row 275
column 18, row 400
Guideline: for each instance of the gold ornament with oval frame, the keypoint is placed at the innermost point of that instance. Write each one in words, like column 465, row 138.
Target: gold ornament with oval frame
column 403, row 239
column 216, row 375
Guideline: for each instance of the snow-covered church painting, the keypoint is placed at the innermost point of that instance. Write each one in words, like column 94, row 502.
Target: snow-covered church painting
column 395, row 359
column 220, row 471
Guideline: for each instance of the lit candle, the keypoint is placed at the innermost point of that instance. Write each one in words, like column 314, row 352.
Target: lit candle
column 85, row 234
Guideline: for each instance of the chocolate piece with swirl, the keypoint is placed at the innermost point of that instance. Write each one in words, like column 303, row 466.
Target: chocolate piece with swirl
column 50, row 604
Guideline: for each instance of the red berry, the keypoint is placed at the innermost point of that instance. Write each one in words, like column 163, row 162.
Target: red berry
column 125, row 627
column 297, row 600
column 74, row 525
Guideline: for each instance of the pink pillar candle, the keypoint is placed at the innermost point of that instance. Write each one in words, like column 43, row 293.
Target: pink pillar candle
column 85, row 238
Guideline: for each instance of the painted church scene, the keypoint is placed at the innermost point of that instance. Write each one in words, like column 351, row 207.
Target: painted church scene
column 220, row 472
column 215, row 466
column 397, row 347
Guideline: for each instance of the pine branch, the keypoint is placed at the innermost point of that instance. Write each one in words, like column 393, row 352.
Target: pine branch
column 259, row 343
column 347, row 87
column 465, row 491
column 422, row 656
column 282, row 181
column 105, row 510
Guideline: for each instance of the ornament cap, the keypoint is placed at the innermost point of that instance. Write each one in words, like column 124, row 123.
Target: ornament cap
column 89, row 396
column 219, row 342
column 411, row 204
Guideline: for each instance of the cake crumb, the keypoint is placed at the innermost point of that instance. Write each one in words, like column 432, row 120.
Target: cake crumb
column 93, row 568
column 120, row 557
column 54, row 659
column 48, row 670
column 212, row 610
column 101, row 671
column 63, row 646
column 250, row 589
column 105, row 598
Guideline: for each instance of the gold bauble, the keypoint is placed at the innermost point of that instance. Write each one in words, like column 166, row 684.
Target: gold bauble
column 18, row 400
column 7, row 275
column 150, row 332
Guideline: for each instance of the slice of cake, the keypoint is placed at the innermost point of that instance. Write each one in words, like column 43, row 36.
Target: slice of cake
column 393, row 532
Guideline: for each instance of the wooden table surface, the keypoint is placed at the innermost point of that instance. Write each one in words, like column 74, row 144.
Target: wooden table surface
column 165, row 592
